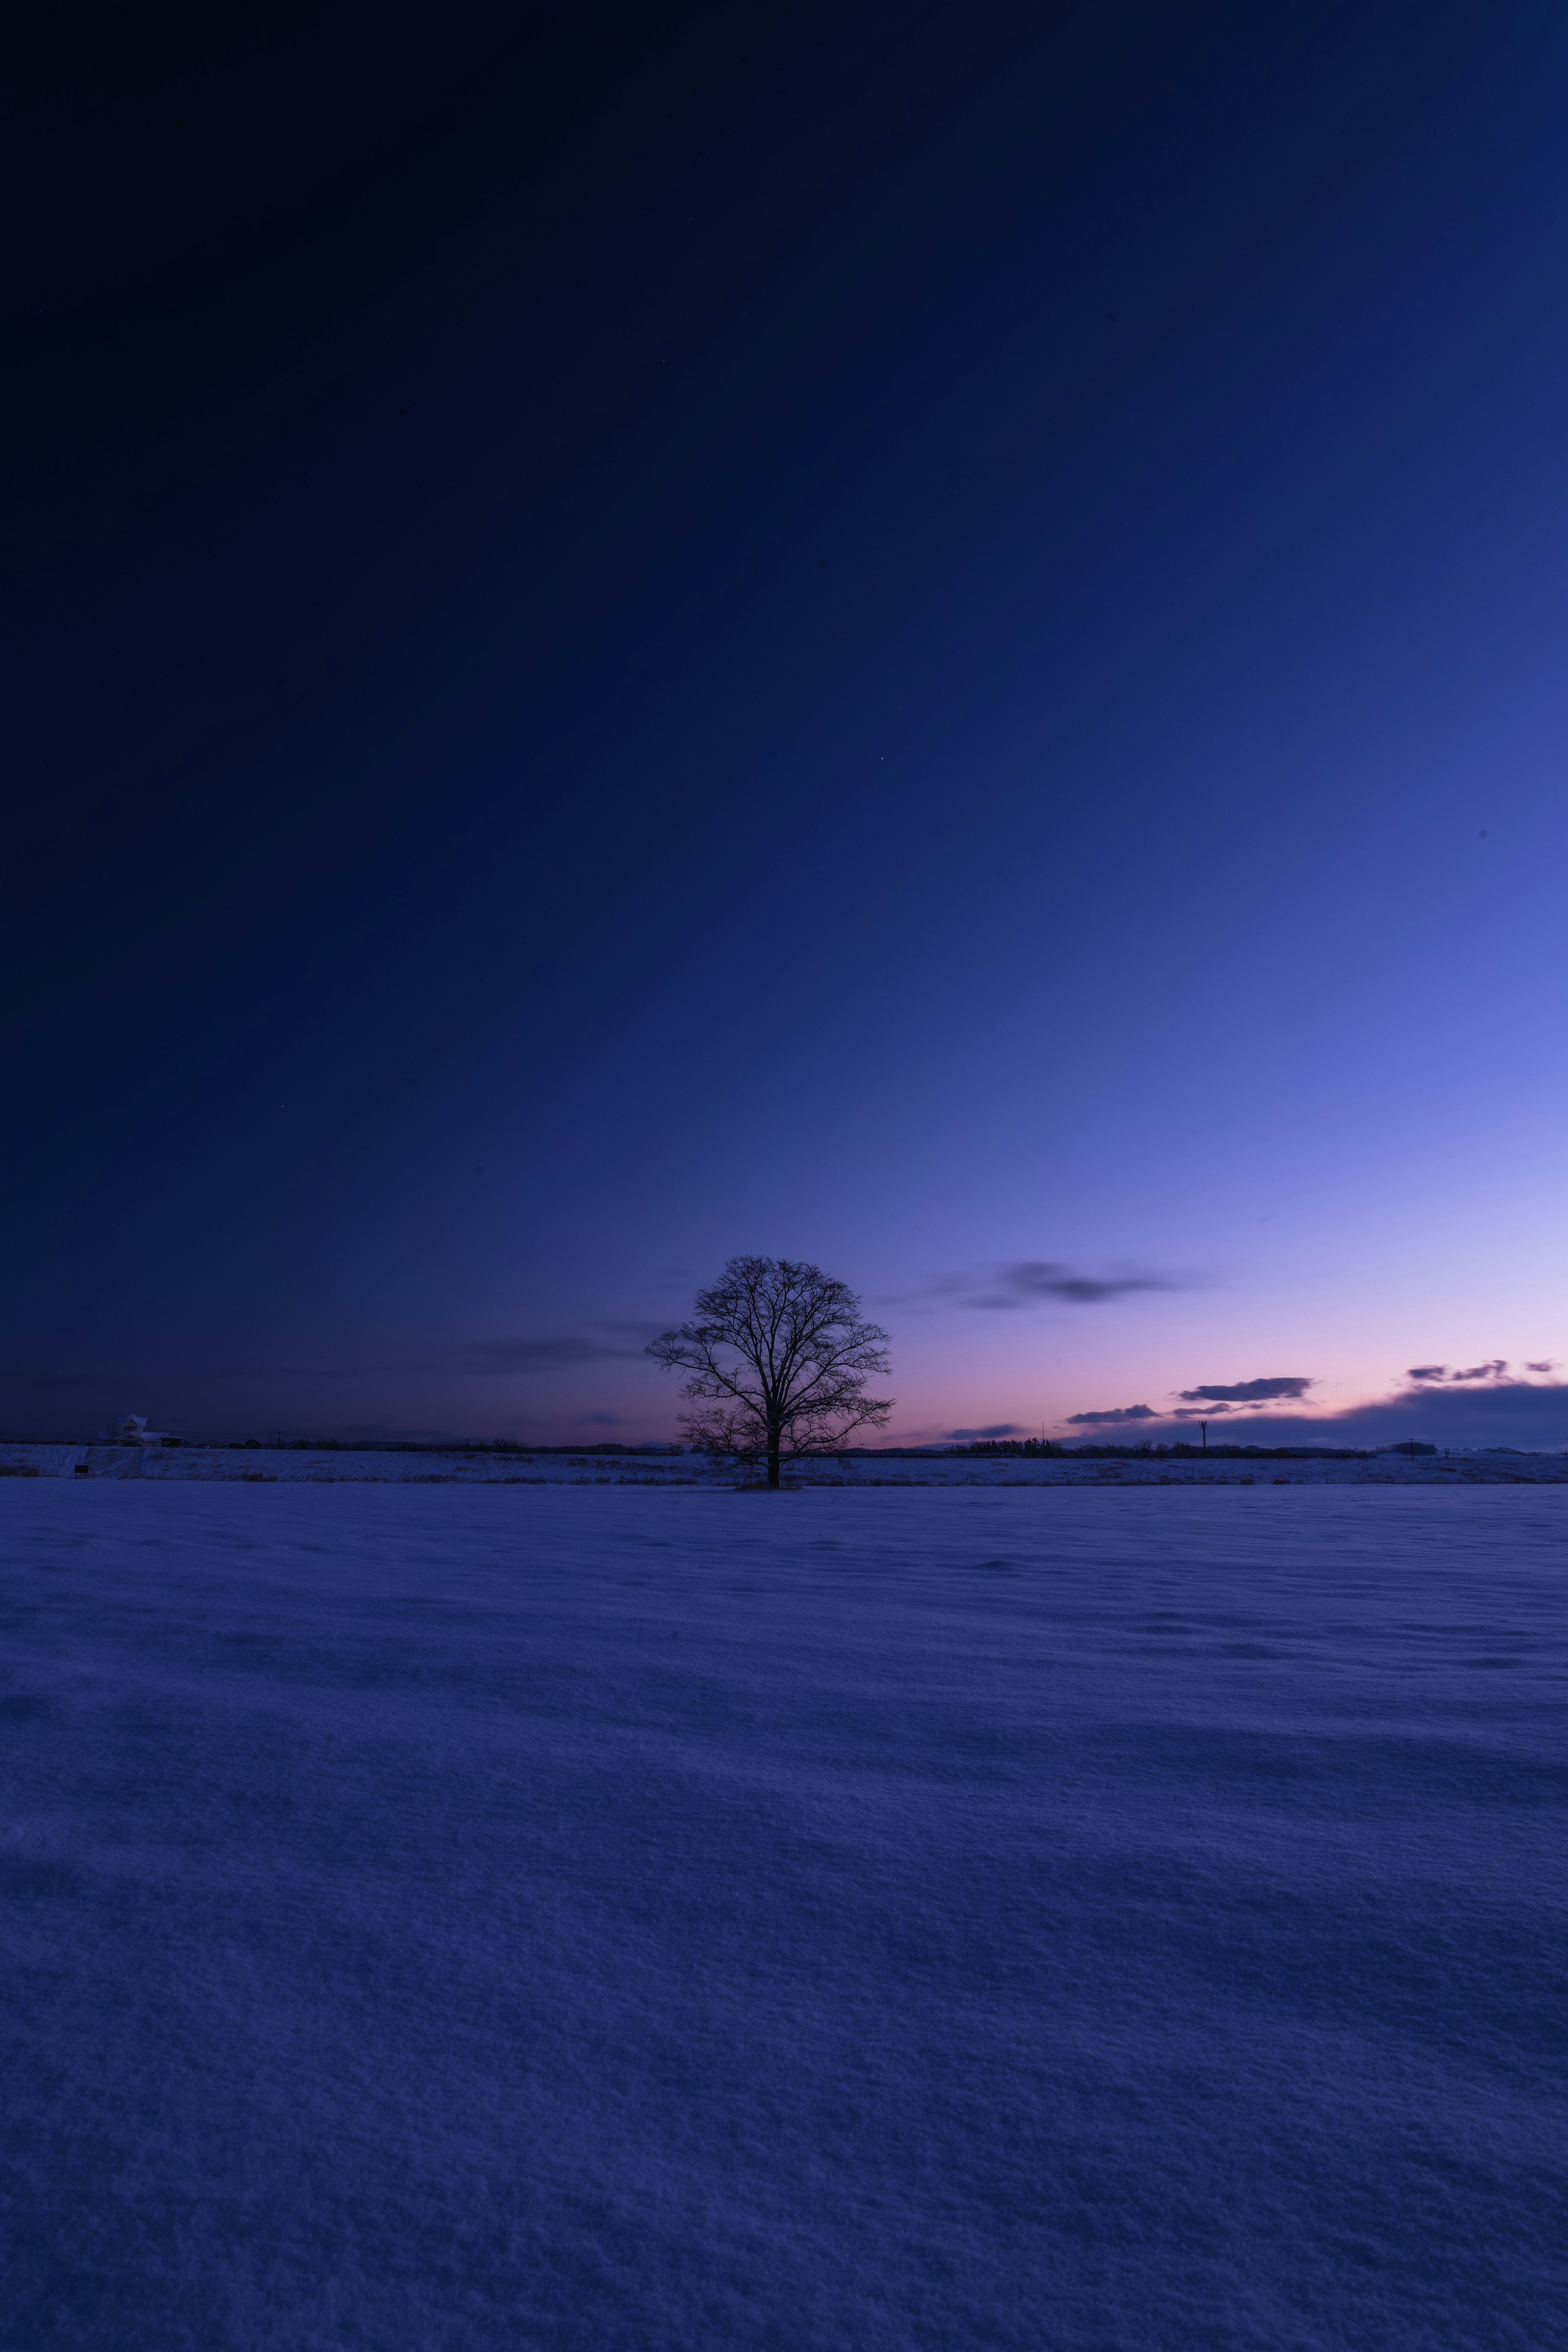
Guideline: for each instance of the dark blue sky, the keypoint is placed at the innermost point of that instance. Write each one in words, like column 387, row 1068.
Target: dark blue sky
column 928, row 639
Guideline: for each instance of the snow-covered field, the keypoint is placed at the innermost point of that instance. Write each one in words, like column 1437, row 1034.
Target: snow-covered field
column 443, row 1921
column 1500, row 1466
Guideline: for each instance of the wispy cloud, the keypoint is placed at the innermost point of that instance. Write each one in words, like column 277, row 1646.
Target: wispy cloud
column 1281, row 1384
column 1119, row 1412
column 1034, row 1282
column 993, row 1429
column 1495, row 1370
column 1034, row 1279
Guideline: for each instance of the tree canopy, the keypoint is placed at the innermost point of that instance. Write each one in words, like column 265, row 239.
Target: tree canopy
column 777, row 1359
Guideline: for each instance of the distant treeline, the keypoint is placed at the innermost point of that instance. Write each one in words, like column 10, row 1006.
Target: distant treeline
column 1147, row 1451
column 994, row 1448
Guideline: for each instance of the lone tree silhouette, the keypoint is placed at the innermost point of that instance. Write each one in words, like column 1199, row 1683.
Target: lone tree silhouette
column 778, row 1356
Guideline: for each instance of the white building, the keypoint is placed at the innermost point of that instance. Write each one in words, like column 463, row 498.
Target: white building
column 131, row 1431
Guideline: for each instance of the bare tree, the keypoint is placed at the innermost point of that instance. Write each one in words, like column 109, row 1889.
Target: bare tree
column 779, row 1357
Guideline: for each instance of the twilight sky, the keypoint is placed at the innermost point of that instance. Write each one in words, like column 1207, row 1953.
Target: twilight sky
column 930, row 639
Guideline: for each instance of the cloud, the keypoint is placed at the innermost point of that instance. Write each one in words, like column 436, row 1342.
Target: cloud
column 541, row 1355
column 1548, row 1366
column 605, row 1420
column 1033, row 1279
column 1496, row 1370
column 1027, row 1282
column 993, row 1429
column 1468, row 1410
column 1121, row 1412
column 1527, row 1413
column 1282, row 1384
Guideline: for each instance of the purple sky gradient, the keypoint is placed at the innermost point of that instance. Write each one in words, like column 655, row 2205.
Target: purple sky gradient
column 944, row 658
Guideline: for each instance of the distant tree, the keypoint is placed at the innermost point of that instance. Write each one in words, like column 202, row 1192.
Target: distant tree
column 777, row 1359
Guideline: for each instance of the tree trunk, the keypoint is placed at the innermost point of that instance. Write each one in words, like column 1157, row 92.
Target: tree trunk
column 773, row 1462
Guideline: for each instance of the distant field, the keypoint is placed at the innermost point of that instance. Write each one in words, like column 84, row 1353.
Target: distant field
column 461, row 1466
column 610, row 1922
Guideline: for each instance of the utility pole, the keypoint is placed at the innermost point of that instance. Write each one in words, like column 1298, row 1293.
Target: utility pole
column 1204, row 1427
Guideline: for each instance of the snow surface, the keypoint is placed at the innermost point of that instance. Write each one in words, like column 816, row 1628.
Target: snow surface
column 540, row 1918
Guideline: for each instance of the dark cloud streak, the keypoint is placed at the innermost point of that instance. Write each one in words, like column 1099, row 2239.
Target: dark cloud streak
column 1032, row 1280
column 1120, row 1413
column 1282, row 1384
